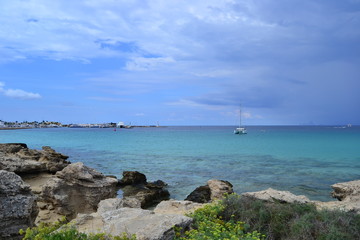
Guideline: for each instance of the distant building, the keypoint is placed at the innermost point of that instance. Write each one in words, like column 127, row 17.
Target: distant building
column 120, row 125
column 2, row 124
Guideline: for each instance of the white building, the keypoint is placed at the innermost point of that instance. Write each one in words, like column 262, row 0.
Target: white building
column 120, row 125
column 2, row 124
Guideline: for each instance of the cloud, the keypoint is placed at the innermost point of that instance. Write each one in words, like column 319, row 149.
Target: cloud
column 109, row 99
column 18, row 93
column 145, row 64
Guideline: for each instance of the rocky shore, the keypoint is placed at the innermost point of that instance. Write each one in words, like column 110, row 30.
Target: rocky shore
column 42, row 186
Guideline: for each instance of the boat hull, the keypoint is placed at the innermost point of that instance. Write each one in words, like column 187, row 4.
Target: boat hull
column 240, row 131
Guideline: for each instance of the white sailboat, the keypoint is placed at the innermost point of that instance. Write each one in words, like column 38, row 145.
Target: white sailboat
column 240, row 129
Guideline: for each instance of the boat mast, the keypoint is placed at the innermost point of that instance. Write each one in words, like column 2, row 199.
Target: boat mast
column 240, row 117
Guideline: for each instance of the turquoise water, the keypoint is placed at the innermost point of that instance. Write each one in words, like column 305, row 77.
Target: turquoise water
column 303, row 160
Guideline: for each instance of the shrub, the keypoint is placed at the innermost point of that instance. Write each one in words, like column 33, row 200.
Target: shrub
column 209, row 225
column 291, row 220
column 62, row 231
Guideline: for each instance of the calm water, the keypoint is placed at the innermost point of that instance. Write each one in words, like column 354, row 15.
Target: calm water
column 303, row 160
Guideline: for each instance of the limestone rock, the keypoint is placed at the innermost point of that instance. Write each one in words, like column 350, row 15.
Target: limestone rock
column 112, row 204
column 78, row 189
column 177, row 207
column 218, row 188
column 201, row 194
column 16, row 157
column 147, row 196
column 132, row 177
column 144, row 223
column 349, row 195
column 134, row 184
column 18, row 208
column 353, row 206
column 214, row 190
column 156, row 184
column 272, row 195
column 347, row 190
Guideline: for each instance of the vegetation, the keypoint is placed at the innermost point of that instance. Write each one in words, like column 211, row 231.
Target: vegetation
column 62, row 231
column 239, row 218
column 208, row 224
column 226, row 220
column 291, row 221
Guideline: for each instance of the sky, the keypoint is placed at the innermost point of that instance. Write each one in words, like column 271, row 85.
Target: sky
column 180, row 62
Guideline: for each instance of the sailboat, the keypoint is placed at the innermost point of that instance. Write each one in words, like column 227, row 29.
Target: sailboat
column 240, row 129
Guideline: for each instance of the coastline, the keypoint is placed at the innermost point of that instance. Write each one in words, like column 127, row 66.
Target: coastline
column 52, row 187
column 15, row 128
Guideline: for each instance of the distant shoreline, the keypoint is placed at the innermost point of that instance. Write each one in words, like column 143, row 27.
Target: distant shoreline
column 14, row 128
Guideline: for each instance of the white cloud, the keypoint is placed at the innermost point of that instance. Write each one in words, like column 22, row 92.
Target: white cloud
column 18, row 93
column 145, row 64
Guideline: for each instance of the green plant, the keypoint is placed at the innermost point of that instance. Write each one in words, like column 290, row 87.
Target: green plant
column 291, row 220
column 209, row 225
column 62, row 231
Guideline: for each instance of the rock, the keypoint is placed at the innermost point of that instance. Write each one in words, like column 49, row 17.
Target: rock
column 147, row 197
column 348, row 194
column 201, row 194
column 134, row 185
column 218, row 188
column 16, row 157
column 78, row 189
column 272, row 195
column 339, row 205
column 12, row 147
column 157, row 184
column 112, row 204
column 132, row 177
column 177, row 207
column 214, row 190
column 346, row 191
column 144, row 223
column 18, row 208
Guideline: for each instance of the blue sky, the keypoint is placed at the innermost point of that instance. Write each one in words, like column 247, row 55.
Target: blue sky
column 180, row 62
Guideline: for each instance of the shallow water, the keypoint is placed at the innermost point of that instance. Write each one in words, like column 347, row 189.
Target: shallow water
column 303, row 160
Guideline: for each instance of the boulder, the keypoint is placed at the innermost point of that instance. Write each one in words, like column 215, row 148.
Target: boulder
column 77, row 189
column 156, row 184
column 201, row 194
column 134, row 184
column 112, row 204
column 213, row 190
column 272, row 195
column 132, row 178
column 147, row 196
column 177, row 207
column 218, row 188
column 18, row 158
column 18, row 209
column 144, row 223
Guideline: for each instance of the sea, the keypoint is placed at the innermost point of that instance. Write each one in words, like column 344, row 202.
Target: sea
column 305, row 160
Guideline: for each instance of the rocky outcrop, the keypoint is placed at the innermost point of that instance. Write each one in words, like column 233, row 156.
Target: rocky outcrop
column 177, row 207
column 348, row 194
column 214, row 190
column 218, row 188
column 147, row 196
column 132, row 178
column 134, row 184
column 347, row 191
column 18, row 158
column 18, row 208
column 200, row 195
column 144, row 223
column 77, row 189
column 272, row 195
